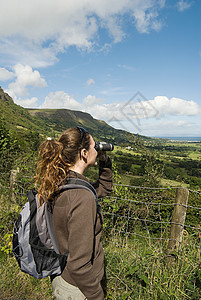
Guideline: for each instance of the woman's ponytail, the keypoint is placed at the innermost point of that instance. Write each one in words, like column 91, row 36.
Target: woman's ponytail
column 51, row 170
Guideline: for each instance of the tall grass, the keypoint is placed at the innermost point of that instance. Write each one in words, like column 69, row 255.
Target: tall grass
column 135, row 267
column 136, row 270
column 15, row 285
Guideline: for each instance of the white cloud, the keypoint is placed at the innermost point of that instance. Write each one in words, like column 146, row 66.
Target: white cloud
column 174, row 106
column 60, row 99
column 136, row 111
column 146, row 16
column 183, row 5
column 18, row 49
column 5, row 74
column 130, row 111
column 25, row 77
column 92, row 100
column 46, row 28
column 90, row 81
column 114, row 29
column 105, row 111
column 28, row 103
column 90, row 104
column 159, row 107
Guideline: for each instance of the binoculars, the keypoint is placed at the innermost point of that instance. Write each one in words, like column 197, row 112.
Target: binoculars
column 102, row 146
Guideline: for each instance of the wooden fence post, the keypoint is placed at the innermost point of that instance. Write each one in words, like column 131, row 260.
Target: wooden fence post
column 178, row 219
column 13, row 176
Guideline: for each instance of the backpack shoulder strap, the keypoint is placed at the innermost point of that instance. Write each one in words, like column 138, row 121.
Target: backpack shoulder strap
column 75, row 183
column 50, row 227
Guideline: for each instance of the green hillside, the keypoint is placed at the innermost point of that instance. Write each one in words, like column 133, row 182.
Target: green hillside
column 60, row 119
column 16, row 118
column 51, row 122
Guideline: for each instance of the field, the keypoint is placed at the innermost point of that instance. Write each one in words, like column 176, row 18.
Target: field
column 137, row 268
column 173, row 163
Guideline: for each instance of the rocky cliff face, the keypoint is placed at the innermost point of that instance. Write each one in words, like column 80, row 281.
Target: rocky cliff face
column 4, row 96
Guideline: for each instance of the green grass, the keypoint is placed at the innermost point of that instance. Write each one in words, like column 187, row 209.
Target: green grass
column 136, row 268
column 125, row 150
column 137, row 271
column 17, row 285
column 172, row 183
column 195, row 155
column 126, row 179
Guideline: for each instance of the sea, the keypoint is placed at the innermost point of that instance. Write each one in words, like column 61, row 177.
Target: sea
column 182, row 138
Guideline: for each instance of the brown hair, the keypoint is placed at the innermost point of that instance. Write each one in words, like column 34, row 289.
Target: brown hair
column 56, row 157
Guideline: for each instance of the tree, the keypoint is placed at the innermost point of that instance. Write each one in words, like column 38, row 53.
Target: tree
column 153, row 169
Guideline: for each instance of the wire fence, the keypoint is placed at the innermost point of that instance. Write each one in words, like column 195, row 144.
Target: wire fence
column 149, row 213
column 134, row 212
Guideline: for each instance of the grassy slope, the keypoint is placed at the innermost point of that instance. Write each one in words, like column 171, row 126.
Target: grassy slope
column 51, row 122
column 18, row 119
column 61, row 119
column 136, row 268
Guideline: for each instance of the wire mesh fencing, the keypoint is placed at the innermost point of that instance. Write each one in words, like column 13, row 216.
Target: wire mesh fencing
column 148, row 214
column 132, row 212
column 142, row 228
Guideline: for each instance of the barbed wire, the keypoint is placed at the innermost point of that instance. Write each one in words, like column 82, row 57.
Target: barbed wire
column 197, row 192
column 142, row 202
column 147, row 187
column 154, row 222
column 127, row 212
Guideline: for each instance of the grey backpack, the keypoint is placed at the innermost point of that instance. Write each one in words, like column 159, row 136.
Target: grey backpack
column 34, row 243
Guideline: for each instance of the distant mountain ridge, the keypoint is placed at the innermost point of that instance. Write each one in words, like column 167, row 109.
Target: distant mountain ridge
column 51, row 122
column 61, row 119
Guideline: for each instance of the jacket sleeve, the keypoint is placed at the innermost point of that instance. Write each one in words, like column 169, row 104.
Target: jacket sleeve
column 104, row 183
column 81, row 227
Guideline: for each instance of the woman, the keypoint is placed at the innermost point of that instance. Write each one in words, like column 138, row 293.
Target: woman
column 76, row 220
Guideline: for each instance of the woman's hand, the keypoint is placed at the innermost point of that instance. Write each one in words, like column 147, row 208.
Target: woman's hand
column 102, row 156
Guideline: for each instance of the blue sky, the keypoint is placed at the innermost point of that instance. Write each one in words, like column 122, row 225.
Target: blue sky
column 135, row 64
